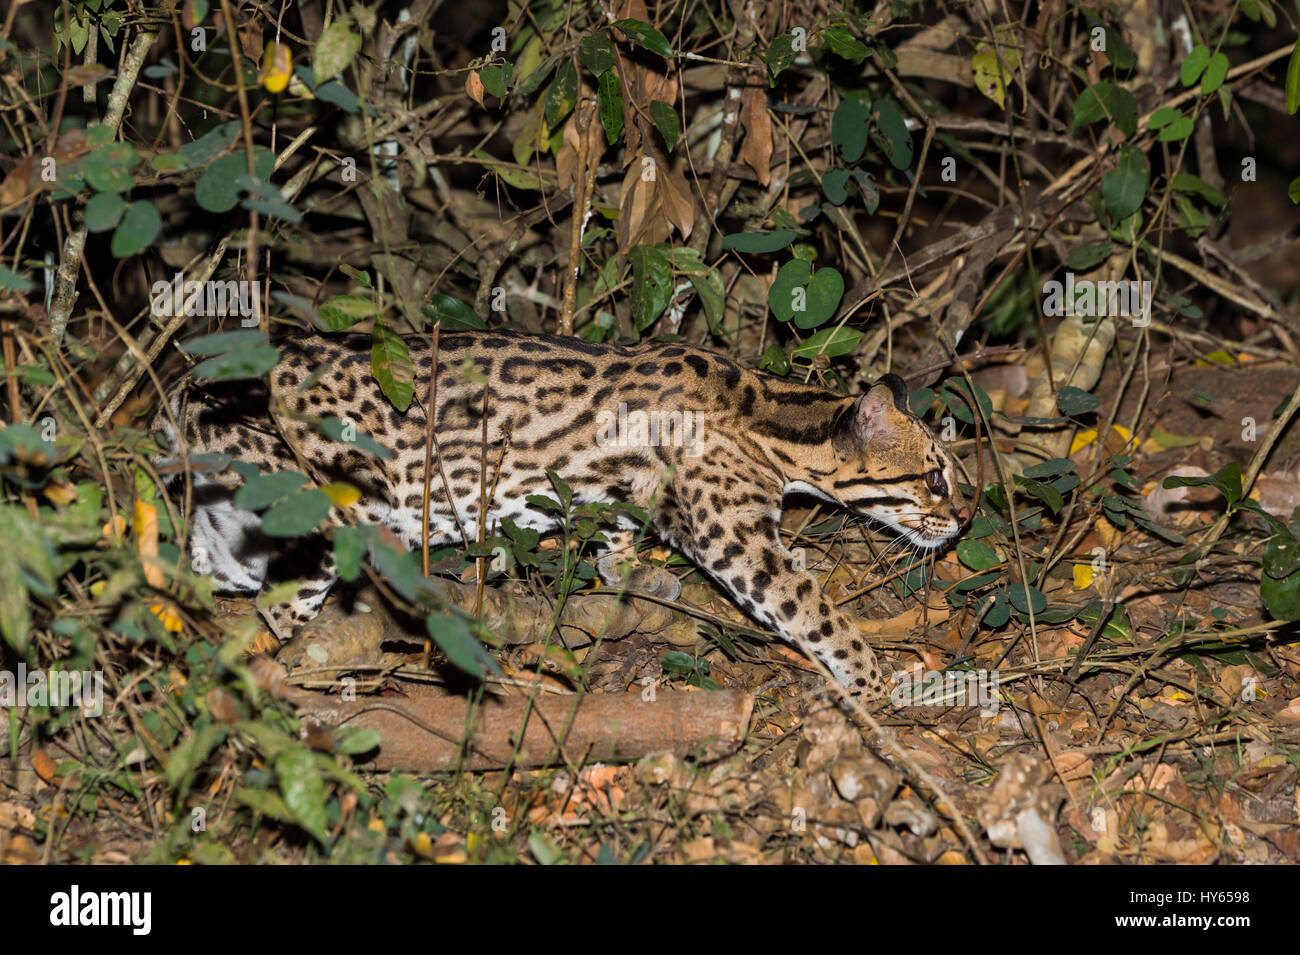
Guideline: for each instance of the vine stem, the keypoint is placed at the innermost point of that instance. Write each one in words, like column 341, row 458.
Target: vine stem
column 65, row 279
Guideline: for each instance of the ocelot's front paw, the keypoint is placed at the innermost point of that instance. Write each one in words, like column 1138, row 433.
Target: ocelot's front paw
column 643, row 578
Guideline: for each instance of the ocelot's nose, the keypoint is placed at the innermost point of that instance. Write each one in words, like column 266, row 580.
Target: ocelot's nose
column 962, row 514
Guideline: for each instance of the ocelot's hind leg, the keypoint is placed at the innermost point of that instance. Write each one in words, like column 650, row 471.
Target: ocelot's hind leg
column 619, row 567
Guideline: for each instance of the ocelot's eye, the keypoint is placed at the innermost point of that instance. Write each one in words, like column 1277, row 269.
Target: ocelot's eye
column 937, row 485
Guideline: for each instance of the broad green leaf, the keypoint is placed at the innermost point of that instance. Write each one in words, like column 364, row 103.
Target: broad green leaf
column 780, row 55
column 890, row 133
column 248, row 361
column 830, row 342
column 1195, row 64
column 496, row 79
column 1177, row 131
column 1083, row 257
column 454, row 314
column 1163, row 117
column 266, row 489
column 758, row 243
column 977, row 555
column 596, row 53
column 1076, row 401
column 644, row 35
column 833, row 185
column 1216, row 71
column 850, row 128
column 218, row 188
column 344, row 311
column 809, row 298
column 1023, row 597
column 1105, row 100
column 652, row 284
column 452, row 635
column 104, row 211
column 845, row 45
column 610, row 102
column 350, row 547
column 298, row 514
column 303, row 789
column 390, row 360
column 139, row 227
column 1124, row 187
column 665, row 120
column 563, row 94
column 221, row 342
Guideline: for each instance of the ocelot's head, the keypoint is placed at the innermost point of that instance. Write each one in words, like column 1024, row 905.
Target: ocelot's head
column 890, row 467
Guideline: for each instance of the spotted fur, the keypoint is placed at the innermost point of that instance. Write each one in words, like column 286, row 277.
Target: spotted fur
column 550, row 403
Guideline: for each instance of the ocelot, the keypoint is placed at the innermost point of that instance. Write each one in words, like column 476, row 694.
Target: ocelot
column 707, row 447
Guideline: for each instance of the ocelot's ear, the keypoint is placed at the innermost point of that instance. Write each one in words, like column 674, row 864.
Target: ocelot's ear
column 870, row 421
column 898, row 387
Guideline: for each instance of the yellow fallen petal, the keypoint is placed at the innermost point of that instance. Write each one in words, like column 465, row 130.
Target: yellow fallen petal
column 1083, row 439
column 341, row 493
column 169, row 620
column 116, row 527
column 1082, row 576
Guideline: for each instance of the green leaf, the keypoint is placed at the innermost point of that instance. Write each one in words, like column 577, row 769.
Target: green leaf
column 139, row 227
column 1105, row 100
column 1163, row 117
column 850, row 128
column 296, row 515
column 1023, row 597
column 999, row 613
column 303, row 789
column 652, row 284
column 1195, row 64
column 1049, row 495
column 344, row 311
column 104, row 211
column 265, row 489
column 759, row 243
column 780, row 55
column 1124, row 187
column 1177, row 131
column 1083, row 257
column 108, row 168
column 390, row 360
column 1293, row 190
column 1186, row 182
column 1227, row 480
column 644, row 35
column 452, row 635
column 11, row 280
column 596, row 53
column 796, row 285
column 219, row 343
column 335, row 50
column 1052, row 468
column 1216, row 71
column 845, row 45
column 666, row 121
column 249, row 361
column 563, row 94
column 610, row 101
column 218, row 188
column 833, row 184
column 1076, row 401
column 1281, row 592
column 1293, row 80
column 977, row 555
column 350, row 547
column 830, row 342
column 890, row 133
column 454, row 314
column 496, row 79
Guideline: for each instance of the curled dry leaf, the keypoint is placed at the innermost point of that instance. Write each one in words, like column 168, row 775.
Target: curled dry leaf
column 756, row 151
column 474, row 87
